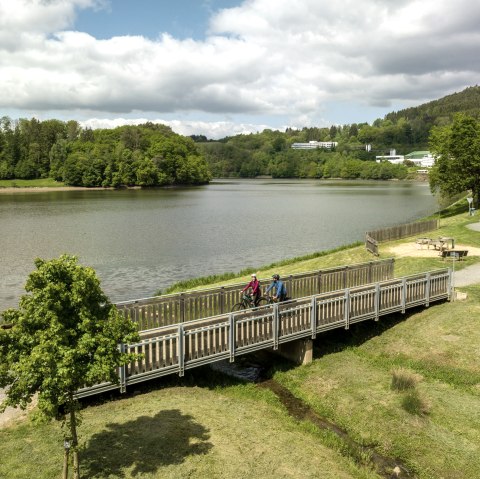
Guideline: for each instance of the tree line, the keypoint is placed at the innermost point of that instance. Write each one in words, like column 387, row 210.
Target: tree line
column 144, row 155
column 270, row 153
column 152, row 154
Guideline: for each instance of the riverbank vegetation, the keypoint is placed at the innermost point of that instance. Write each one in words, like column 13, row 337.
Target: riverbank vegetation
column 210, row 425
column 39, row 183
column 145, row 155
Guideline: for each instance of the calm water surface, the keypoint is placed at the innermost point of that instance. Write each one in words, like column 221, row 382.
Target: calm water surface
column 140, row 241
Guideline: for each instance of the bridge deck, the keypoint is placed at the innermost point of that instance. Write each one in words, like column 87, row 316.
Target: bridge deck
column 175, row 348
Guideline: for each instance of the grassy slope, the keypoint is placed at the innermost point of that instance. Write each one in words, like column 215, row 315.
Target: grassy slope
column 185, row 429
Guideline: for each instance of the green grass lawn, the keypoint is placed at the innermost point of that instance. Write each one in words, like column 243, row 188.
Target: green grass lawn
column 207, row 426
column 39, row 183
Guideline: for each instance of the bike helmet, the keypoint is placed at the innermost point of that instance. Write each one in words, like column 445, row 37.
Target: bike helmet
column 276, row 276
column 254, row 275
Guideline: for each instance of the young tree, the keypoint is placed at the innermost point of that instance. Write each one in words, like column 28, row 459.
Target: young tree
column 457, row 152
column 63, row 336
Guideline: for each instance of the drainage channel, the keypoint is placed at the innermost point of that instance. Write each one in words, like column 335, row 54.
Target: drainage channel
column 386, row 467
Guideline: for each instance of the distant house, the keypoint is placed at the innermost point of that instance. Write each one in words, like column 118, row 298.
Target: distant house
column 392, row 158
column 421, row 158
column 312, row 145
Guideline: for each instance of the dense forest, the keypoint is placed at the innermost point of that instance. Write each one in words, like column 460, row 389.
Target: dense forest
column 145, row 155
column 152, row 154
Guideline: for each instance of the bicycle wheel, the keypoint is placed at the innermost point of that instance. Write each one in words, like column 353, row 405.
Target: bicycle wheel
column 238, row 307
column 262, row 301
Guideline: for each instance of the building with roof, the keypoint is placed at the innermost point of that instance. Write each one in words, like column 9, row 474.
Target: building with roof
column 312, row 145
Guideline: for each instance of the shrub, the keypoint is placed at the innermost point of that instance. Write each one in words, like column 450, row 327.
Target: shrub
column 403, row 380
column 413, row 403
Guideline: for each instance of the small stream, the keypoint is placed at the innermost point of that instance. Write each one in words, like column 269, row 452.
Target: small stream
column 249, row 369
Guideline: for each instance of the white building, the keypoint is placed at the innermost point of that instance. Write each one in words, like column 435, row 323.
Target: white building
column 312, row 145
column 392, row 158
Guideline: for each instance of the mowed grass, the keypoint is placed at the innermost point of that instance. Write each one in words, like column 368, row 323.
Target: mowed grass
column 229, row 431
column 350, row 383
column 203, row 426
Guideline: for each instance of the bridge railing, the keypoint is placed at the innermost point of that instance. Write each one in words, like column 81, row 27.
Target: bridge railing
column 160, row 311
column 175, row 348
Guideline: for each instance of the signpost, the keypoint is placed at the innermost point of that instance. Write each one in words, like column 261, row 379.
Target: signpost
column 471, row 209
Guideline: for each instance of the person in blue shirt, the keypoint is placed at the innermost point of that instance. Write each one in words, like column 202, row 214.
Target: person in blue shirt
column 280, row 289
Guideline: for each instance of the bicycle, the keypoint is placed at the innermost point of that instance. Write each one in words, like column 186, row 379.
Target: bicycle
column 247, row 302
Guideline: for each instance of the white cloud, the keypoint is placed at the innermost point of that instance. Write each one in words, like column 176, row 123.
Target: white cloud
column 264, row 57
column 211, row 129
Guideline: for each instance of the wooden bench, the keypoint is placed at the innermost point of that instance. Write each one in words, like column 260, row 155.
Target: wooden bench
column 423, row 241
column 457, row 253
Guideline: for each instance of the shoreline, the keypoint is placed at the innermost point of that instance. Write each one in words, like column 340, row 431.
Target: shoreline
column 36, row 189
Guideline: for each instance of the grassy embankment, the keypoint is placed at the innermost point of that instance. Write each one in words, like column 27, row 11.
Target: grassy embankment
column 407, row 387
column 40, row 183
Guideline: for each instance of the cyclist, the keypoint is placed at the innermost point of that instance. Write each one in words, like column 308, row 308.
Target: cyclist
column 280, row 289
column 255, row 285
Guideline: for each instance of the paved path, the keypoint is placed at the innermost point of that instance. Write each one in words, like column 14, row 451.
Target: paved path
column 470, row 274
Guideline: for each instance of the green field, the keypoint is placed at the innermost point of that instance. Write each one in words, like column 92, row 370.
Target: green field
column 40, row 183
column 207, row 425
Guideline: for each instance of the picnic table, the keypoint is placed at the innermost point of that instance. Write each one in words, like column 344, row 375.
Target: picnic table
column 444, row 243
column 441, row 244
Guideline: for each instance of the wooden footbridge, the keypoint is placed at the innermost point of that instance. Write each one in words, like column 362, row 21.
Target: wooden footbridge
column 187, row 330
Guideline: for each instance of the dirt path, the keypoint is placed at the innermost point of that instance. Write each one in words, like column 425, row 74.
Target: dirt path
column 465, row 277
column 10, row 413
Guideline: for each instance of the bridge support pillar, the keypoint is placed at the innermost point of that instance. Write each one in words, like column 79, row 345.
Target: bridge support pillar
column 299, row 351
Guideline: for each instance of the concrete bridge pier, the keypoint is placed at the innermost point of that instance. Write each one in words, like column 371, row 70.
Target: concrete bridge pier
column 299, row 351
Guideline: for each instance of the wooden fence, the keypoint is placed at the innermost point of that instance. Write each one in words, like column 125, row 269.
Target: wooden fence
column 371, row 244
column 159, row 311
column 175, row 348
column 403, row 231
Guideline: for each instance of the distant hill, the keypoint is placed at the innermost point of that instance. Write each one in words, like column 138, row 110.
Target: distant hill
column 440, row 112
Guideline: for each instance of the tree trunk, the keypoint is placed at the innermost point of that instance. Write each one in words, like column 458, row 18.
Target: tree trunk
column 65, row 463
column 73, row 429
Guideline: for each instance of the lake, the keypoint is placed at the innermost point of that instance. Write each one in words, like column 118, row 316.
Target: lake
column 139, row 241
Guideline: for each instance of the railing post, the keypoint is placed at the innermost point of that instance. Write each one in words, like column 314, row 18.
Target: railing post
column 221, row 300
column 313, row 317
column 347, row 309
column 122, row 373
column 427, row 290
column 231, row 337
column 276, row 326
column 181, row 350
column 182, row 308
column 450, row 284
column 404, row 294
column 377, row 301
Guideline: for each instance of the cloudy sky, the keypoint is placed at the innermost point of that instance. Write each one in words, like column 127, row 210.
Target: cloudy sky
column 222, row 67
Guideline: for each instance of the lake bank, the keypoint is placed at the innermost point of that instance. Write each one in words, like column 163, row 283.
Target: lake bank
column 36, row 189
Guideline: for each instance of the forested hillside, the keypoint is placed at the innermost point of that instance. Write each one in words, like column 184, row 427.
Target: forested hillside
column 270, row 152
column 145, row 155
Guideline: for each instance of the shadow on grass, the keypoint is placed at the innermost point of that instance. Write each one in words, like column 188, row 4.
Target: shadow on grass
column 144, row 445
